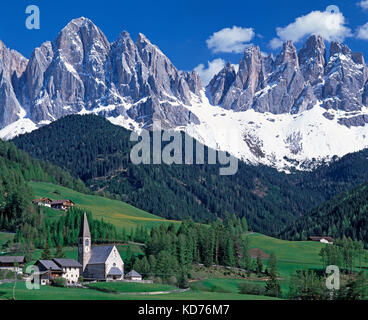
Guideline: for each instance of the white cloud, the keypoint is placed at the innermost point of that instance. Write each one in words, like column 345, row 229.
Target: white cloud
column 330, row 25
column 364, row 4
column 276, row 43
column 362, row 32
column 233, row 39
column 214, row 67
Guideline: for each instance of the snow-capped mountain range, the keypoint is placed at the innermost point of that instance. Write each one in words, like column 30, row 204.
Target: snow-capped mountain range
column 292, row 110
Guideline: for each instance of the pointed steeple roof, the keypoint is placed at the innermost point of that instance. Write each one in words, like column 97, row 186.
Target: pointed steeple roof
column 84, row 231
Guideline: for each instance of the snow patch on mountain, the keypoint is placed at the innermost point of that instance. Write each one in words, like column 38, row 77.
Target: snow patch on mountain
column 282, row 141
column 17, row 128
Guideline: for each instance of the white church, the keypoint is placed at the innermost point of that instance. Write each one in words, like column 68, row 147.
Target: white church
column 100, row 262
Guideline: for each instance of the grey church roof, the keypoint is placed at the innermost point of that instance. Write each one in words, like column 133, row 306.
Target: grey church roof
column 84, row 231
column 133, row 273
column 67, row 263
column 12, row 259
column 114, row 271
column 100, row 254
column 50, row 265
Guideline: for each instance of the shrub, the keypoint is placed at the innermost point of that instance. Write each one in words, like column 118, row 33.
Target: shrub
column 183, row 281
column 173, row 281
column 59, row 282
column 250, row 288
column 158, row 280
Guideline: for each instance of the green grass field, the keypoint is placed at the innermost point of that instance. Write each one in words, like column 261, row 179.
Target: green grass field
column 130, row 287
column 228, row 285
column 4, row 237
column 54, row 293
column 291, row 255
column 119, row 213
column 217, row 285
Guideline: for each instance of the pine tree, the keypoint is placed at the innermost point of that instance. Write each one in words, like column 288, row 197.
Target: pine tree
column 46, row 254
column 272, row 264
column 273, row 286
column 259, row 265
column 59, row 252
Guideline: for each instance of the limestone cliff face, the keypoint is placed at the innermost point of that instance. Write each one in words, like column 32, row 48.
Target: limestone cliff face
column 81, row 71
column 294, row 81
column 12, row 65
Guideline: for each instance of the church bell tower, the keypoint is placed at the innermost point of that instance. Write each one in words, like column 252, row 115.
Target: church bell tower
column 84, row 243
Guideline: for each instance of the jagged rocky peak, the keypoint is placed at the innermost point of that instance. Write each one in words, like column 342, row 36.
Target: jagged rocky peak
column 30, row 84
column 365, row 95
column 312, row 59
column 122, row 65
column 251, row 67
column 294, row 81
column 339, row 48
column 12, row 66
column 220, row 84
column 235, row 90
column 346, row 75
column 269, row 63
column 11, row 61
column 81, row 71
column 194, row 82
column 288, row 54
column 83, row 45
column 78, row 34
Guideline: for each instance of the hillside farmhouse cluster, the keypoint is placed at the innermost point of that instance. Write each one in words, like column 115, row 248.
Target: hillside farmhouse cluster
column 326, row 240
column 64, row 205
column 100, row 263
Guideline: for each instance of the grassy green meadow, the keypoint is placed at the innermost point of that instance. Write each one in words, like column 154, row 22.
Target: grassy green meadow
column 5, row 237
column 210, row 284
column 55, row 293
column 125, row 287
column 291, row 255
column 119, row 213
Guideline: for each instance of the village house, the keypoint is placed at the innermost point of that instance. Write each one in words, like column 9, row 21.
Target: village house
column 64, row 205
column 12, row 263
column 49, row 270
column 133, row 276
column 70, row 268
column 100, row 262
column 327, row 240
column 43, row 202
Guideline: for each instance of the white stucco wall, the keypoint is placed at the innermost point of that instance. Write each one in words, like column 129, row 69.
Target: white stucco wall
column 114, row 260
column 71, row 275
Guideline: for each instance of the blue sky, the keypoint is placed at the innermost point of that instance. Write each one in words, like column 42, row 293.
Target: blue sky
column 181, row 28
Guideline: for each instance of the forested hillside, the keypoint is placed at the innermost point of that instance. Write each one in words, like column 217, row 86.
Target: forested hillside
column 346, row 215
column 98, row 152
column 16, row 168
column 93, row 149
